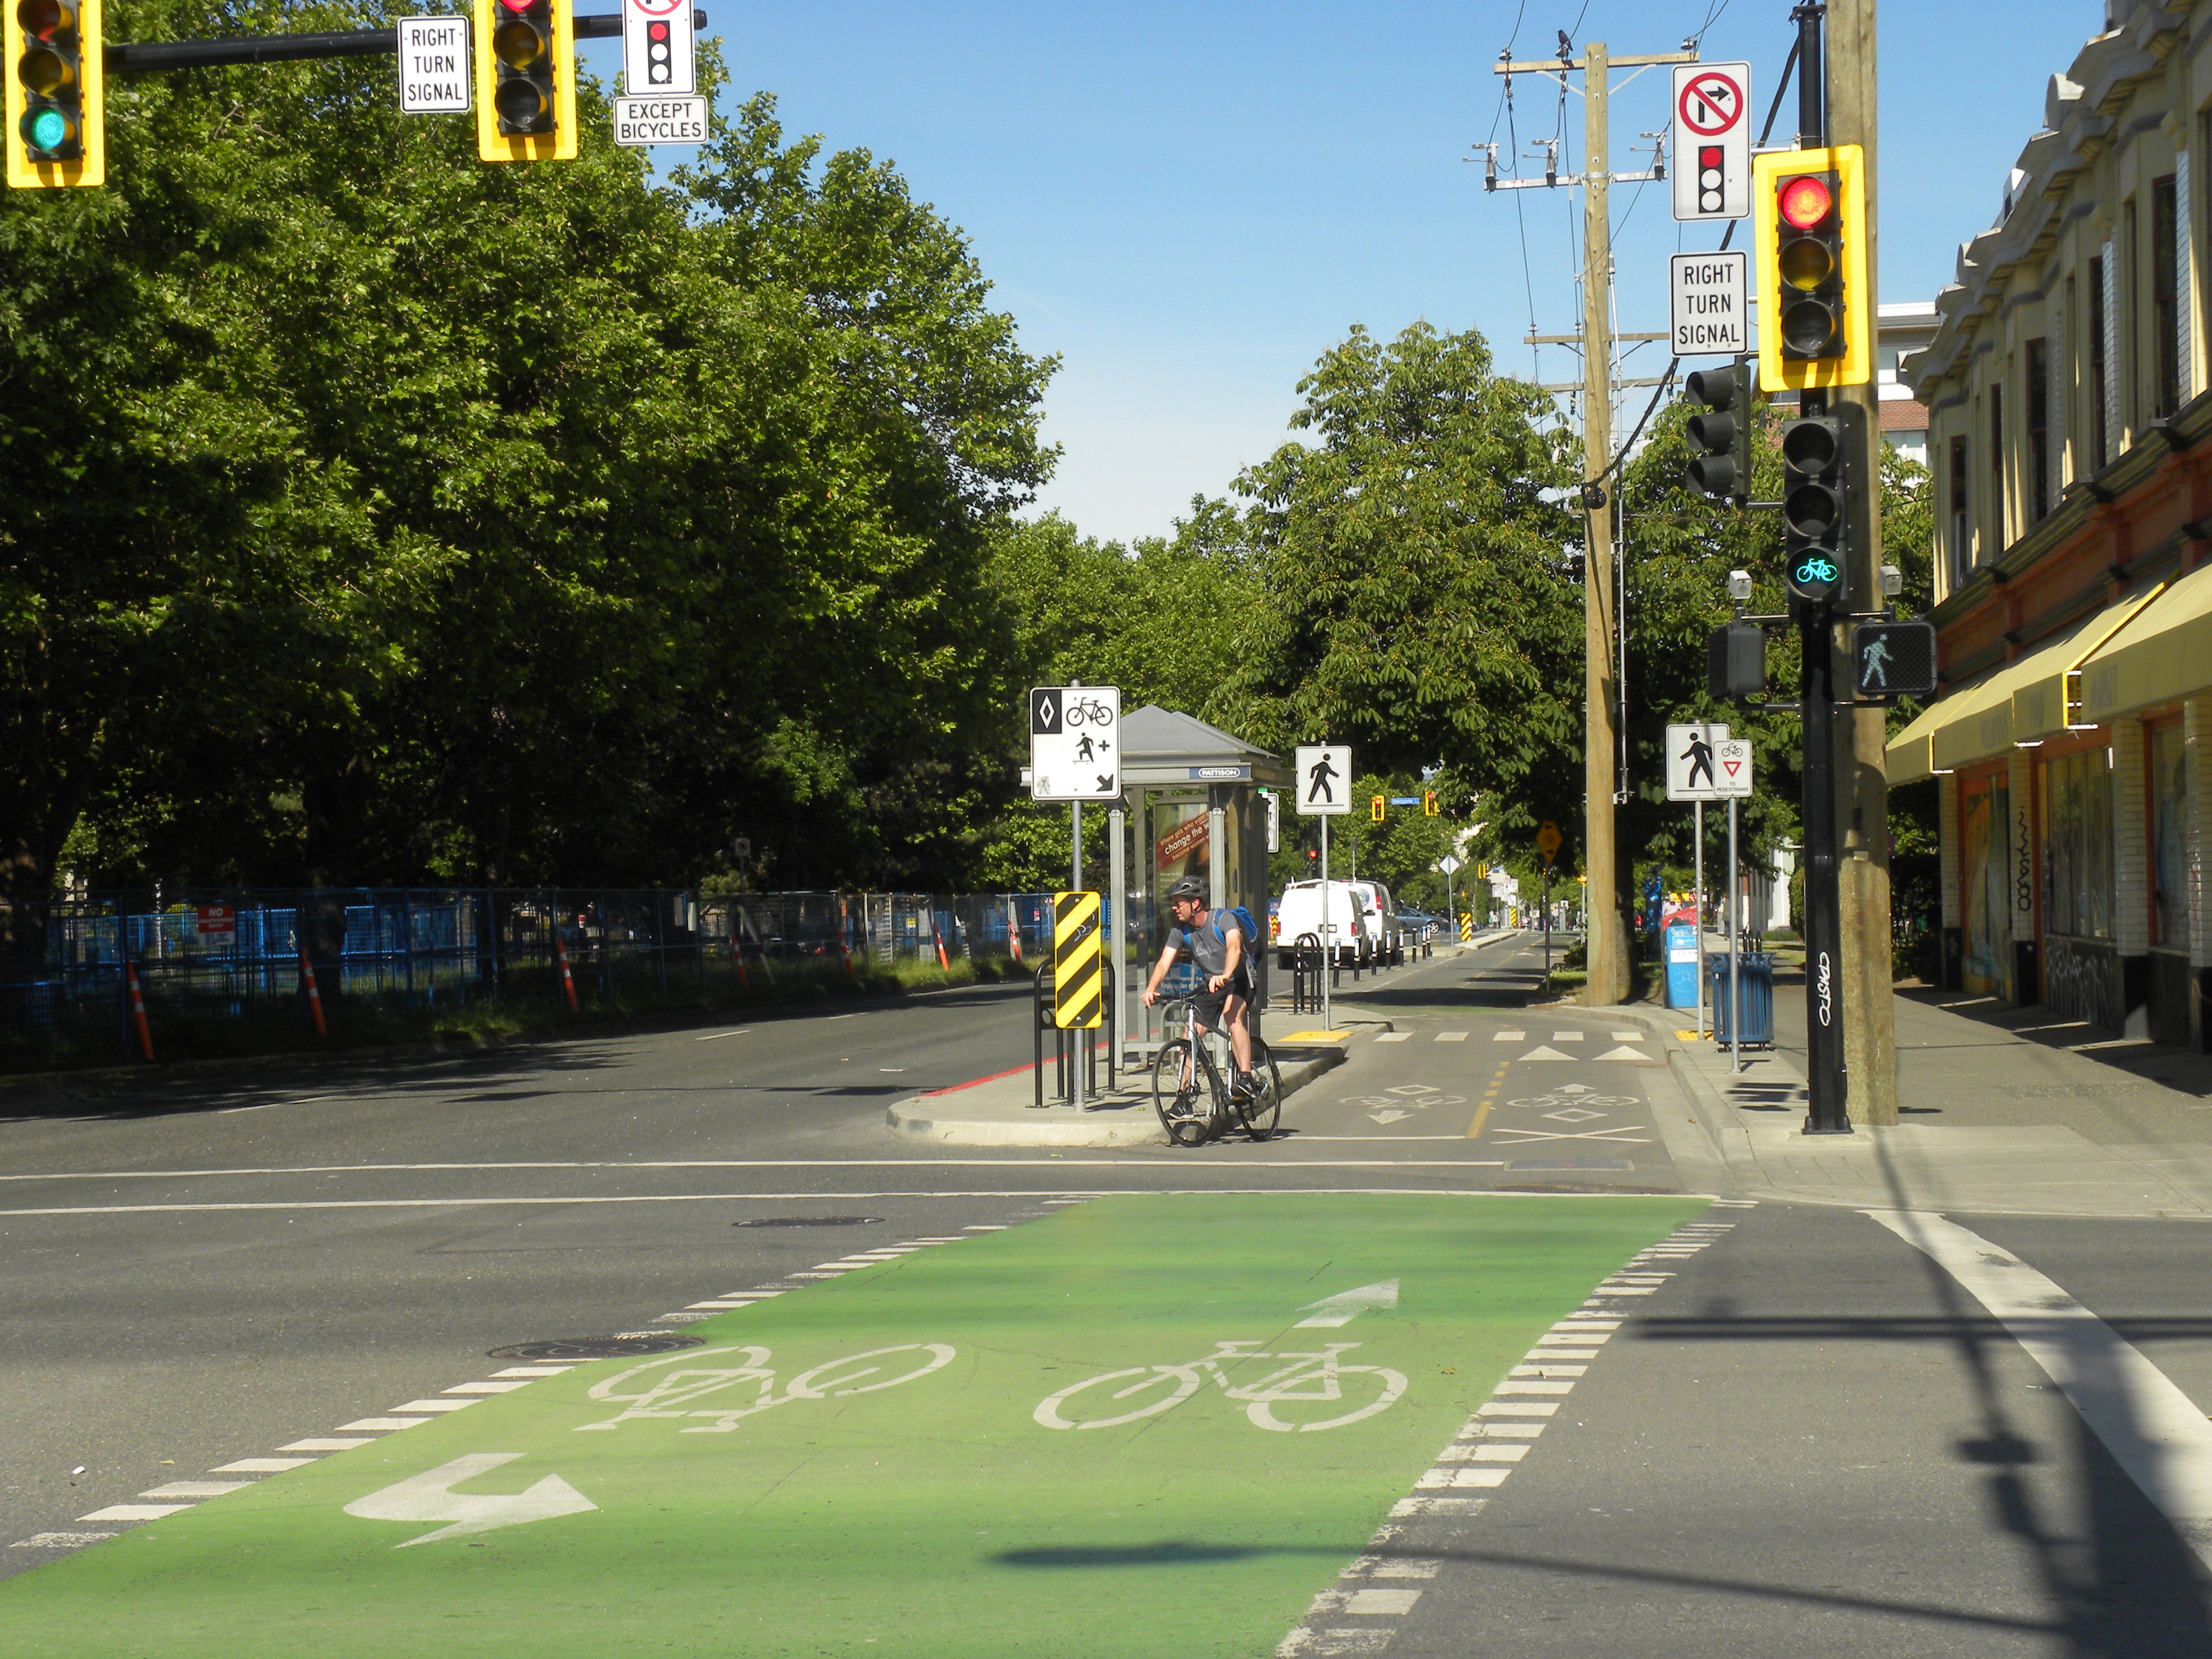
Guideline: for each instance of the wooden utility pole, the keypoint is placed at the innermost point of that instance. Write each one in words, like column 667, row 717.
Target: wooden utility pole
column 1861, row 776
column 1605, row 926
column 1606, row 935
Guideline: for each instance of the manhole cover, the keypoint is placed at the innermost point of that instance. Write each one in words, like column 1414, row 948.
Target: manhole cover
column 599, row 1347
column 811, row 1221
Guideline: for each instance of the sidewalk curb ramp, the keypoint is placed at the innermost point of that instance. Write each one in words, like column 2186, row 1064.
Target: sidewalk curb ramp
column 1123, row 1118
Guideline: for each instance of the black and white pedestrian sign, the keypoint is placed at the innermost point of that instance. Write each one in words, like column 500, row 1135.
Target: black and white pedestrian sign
column 1324, row 779
column 1712, row 141
column 660, row 76
column 1709, row 303
column 434, row 65
column 1075, row 742
column 1705, row 763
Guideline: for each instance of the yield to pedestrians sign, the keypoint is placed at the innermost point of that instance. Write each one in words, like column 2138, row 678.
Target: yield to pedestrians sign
column 1075, row 742
column 1324, row 779
column 1705, row 763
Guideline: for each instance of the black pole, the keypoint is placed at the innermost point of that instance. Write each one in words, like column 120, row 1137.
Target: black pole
column 1824, row 1082
column 1548, row 917
column 1812, row 77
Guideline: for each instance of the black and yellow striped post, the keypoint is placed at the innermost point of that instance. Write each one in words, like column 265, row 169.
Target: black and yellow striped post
column 1078, row 1000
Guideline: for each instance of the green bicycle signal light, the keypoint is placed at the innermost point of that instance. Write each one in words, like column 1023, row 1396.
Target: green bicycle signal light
column 1816, row 508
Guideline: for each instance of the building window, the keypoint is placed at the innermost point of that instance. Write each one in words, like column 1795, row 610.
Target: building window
column 2077, row 845
column 2101, row 391
column 1996, row 469
column 1962, row 544
column 2169, row 829
column 2164, row 292
column 2128, row 406
column 2038, row 429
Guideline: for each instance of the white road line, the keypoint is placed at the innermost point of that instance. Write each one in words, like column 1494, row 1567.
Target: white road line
column 486, row 1388
column 195, row 1490
column 1393, row 1036
column 372, row 1426
column 1509, row 1036
column 2154, row 1431
column 1568, row 1036
column 534, row 1370
column 134, row 1512
column 433, row 1406
column 716, row 1036
column 1451, row 1036
column 1627, row 1036
column 261, row 1465
column 1517, row 1408
column 60, row 1541
column 328, row 1442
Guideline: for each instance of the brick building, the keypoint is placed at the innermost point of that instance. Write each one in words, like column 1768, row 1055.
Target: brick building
column 2066, row 436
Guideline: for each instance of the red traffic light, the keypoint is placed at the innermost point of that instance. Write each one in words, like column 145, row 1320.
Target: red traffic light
column 1805, row 202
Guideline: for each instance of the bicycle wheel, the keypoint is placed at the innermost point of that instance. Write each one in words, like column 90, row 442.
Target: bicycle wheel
column 1176, row 1102
column 838, row 1377
column 1147, row 1386
column 1262, row 1108
column 1341, row 1387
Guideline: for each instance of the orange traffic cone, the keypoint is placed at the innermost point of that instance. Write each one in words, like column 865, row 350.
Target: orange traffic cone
column 138, row 1010
column 314, row 996
column 568, row 979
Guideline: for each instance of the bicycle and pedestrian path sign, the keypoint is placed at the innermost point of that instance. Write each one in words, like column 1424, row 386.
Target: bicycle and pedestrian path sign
column 978, row 1447
column 1075, row 742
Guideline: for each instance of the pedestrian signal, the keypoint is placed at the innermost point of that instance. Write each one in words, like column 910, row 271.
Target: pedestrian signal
column 1376, row 807
column 56, row 136
column 1721, row 430
column 1816, row 327
column 525, row 53
column 1894, row 659
column 1428, row 803
column 1817, row 454
column 1735, row 661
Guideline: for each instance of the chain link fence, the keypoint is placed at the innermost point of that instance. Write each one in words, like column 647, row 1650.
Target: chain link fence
column 68, row 967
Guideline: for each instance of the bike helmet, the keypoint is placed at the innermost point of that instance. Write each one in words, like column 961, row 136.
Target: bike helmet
column 1190, row 887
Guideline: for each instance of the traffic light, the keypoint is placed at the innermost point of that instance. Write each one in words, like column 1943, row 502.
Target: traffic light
column 1817, row 452
column 1428, row 803
column 1313, row 857
column 1721, row 432
column 1376, row 806
column 526, row 81
column 1894, row 659
column 1816, row 327
column 1735, row 661
column 56, row 136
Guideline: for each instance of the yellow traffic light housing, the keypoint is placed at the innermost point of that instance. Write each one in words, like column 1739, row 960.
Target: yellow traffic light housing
column 525, row 53
column 1375, row 808
column 56, row 136
column 1815, row 321
column 1428, row 803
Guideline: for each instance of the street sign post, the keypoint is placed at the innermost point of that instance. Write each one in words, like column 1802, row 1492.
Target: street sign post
column 434, row 65
column 1075, row 742
column 1711, row 141
column 1323, row 781
column 1709, row 304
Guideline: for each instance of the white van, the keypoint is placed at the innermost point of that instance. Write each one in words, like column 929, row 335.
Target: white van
column 1386, row 942
column 1349, row 910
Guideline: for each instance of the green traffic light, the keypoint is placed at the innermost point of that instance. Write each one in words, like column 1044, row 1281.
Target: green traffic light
column 45, row 128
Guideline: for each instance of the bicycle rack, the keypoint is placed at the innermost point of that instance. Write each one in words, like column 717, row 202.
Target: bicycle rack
column 1065, row 1045
column 1305, row 974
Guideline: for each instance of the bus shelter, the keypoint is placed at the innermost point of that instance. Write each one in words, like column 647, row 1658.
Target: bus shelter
column 1195, row 801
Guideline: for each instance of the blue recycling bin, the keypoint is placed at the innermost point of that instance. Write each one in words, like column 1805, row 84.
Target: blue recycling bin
column 1756, row 975
column 1680, row 944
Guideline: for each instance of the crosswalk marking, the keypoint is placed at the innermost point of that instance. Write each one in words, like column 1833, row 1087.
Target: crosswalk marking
column 1568, row 1036
column 1625, row 1036
column 1393, row 1036
column 1511, row 1037
column 1451, row 1036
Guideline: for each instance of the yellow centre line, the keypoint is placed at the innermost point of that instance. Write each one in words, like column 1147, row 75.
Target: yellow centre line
column 1489, row 1098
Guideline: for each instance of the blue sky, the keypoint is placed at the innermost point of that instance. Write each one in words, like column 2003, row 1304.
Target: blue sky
column 1189, row 204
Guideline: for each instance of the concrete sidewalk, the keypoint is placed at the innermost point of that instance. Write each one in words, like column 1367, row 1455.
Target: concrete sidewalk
column 1001, row 1110
column 1993, row 1122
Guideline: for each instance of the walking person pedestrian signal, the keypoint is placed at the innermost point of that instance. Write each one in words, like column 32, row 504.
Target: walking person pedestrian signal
column 1892, row 660
column 1699, row 754
column 1320, row 776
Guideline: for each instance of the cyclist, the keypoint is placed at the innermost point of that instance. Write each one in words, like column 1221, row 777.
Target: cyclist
column 1225, row 972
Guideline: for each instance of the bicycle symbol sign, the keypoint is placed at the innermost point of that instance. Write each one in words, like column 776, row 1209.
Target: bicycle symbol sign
column 1816, row 570
column 1286, row 1400
column 1711, row 104
column 669, row 1396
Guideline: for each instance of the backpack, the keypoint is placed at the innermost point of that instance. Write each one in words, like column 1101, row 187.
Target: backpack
column 1242, row 917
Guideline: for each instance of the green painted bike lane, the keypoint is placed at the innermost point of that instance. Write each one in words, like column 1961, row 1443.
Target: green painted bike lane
column 902, row 1461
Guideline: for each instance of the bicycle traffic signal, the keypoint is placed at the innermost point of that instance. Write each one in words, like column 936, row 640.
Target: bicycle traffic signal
column 56, row 136
column 1816, row 327
column 1721, row 432
column 1376, row 807
column 1817, row 454
column 526, row 81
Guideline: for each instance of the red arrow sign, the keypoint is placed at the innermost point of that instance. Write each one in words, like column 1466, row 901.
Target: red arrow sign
column 1711, row 104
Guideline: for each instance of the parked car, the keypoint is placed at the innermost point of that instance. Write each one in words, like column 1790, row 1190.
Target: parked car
column 1386, row 935
column 1299, row 912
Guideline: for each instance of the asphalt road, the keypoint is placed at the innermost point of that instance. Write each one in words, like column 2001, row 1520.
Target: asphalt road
column 1809, row 1437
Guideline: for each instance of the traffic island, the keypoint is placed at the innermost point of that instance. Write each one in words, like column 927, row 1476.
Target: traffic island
column 1002, row 1111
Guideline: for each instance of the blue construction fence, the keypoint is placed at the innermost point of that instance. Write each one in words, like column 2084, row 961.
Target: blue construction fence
column 68, row 965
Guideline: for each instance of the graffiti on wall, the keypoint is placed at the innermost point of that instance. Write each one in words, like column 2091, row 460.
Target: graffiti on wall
column 2082, row 981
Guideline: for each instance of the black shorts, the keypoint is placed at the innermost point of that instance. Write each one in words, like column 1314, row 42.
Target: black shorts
column 1206, row 1006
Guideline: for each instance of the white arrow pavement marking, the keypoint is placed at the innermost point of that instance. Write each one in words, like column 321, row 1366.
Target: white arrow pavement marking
column 430, row 1497
column 2153, row 1430
column 1347, row 1306
column 1543, row 1052
column 1389, row 1116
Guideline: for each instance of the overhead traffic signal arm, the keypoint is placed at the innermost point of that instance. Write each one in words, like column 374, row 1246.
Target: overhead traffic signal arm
column 1815, row 315
column 526, row 52
column 56, row 134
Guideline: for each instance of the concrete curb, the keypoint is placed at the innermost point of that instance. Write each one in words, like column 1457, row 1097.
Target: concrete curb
column 1129, row 1122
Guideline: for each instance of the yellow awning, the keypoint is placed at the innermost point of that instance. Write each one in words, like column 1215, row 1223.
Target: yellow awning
column 1976, row 721
column 2053, row 700
column 1907, row 754
column 2164, row 655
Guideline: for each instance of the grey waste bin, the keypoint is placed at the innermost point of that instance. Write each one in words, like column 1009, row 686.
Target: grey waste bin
column 1757, row 977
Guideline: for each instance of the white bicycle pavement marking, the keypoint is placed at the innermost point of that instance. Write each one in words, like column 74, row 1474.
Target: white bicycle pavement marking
column 667, row 1397
column 1347, row 1306
column 1309, row 1375
column 430, row 1497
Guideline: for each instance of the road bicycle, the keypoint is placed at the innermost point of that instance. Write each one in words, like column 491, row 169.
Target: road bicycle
column 1190, row 1092
column 1086, row 711
column 1307, row 1379
column 669, row 1394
